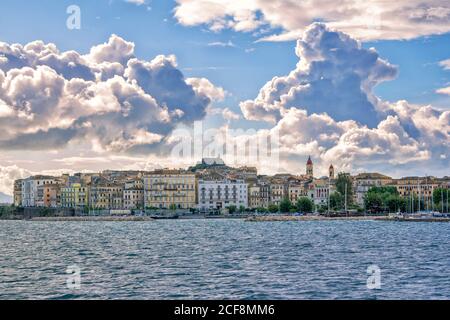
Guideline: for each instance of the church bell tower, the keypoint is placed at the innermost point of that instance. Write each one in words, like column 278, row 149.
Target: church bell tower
column 309, row 168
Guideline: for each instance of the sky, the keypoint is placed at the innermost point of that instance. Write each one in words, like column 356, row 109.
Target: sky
column 117, row 84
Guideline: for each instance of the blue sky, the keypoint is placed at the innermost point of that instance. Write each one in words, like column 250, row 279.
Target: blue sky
column 155, row 31
column 237, row 47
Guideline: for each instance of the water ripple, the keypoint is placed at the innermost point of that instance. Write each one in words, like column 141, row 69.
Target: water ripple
column 224, row 259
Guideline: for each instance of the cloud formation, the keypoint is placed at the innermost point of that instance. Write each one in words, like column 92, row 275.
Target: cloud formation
column 108, row 101
column 7, row 176
column 49, row 98
column 365, row 20
column 326, row 108
column 445, row 64
column 334, row 75
column 444, row 91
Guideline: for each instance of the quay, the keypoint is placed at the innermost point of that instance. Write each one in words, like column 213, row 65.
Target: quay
column 281, row 218
column 92, row 218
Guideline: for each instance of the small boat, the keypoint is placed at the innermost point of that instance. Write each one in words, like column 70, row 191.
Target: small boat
column 171, row 217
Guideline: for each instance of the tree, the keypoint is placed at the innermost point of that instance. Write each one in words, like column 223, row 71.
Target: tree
column 345, row 181
column 393, row 203
column 231, row 209
column 241, row 209
column 336, row 201
column 440, row 198
column 373, row 202
column 382, row 199
column 285, row 205
column 305, row 204
column 173, row 207
column 273, row 208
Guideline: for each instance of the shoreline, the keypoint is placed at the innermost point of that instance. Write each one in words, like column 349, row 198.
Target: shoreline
column 89, row 219
column 282, row 218
column 358, row 218
column 246, row 218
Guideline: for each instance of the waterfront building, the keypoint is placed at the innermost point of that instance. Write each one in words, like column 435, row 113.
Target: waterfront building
column 296, row 190
column 165, row 189
column 259, row 194
column 364, row 181
column 322, row 188
column 76, row 196
column 254, row 198
column 420, row 187
column 278, row 191
column 106, row 196
column 30, row 188
column 48, row 195
column 217, row 195
column 17, row 194
column 133, row 194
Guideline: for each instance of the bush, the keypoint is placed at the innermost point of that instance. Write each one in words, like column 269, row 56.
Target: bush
column 231, row 209
column 305, row 204
column 285, row 205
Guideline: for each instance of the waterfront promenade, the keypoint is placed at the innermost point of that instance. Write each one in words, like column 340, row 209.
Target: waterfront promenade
column 281, row 218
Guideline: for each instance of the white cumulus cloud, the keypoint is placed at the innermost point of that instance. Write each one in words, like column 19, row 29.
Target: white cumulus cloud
column 326, row 108
column 365, row 20
column 50, row 98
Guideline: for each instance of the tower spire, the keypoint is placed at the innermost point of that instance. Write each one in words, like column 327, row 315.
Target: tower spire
column 331, row 172
column 309, row 167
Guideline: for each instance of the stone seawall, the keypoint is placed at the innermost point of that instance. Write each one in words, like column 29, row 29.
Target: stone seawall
column 99, row 218
column 360, row 218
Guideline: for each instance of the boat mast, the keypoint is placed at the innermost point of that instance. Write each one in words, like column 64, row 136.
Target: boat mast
column 418, row 189
column 345, row 197
column 329, row 194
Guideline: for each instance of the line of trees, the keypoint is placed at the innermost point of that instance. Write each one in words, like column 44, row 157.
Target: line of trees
column 387, row 199
column 303, row 205
column 382, row 199
column 441, row 199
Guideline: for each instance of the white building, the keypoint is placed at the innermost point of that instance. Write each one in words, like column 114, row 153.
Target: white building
column 30, row 188
column 133, row 194
column 217, row 195
column 321, row 193
column 213, row 161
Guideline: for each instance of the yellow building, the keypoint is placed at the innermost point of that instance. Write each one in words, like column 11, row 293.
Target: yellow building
column 259, row 195
column 421, row 187
column 277, row 192
column 167, row 189
column 75, row 196
column 108, row 196
column 296, row 191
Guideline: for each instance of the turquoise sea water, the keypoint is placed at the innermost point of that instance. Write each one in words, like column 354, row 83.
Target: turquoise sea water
column 224, row 259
